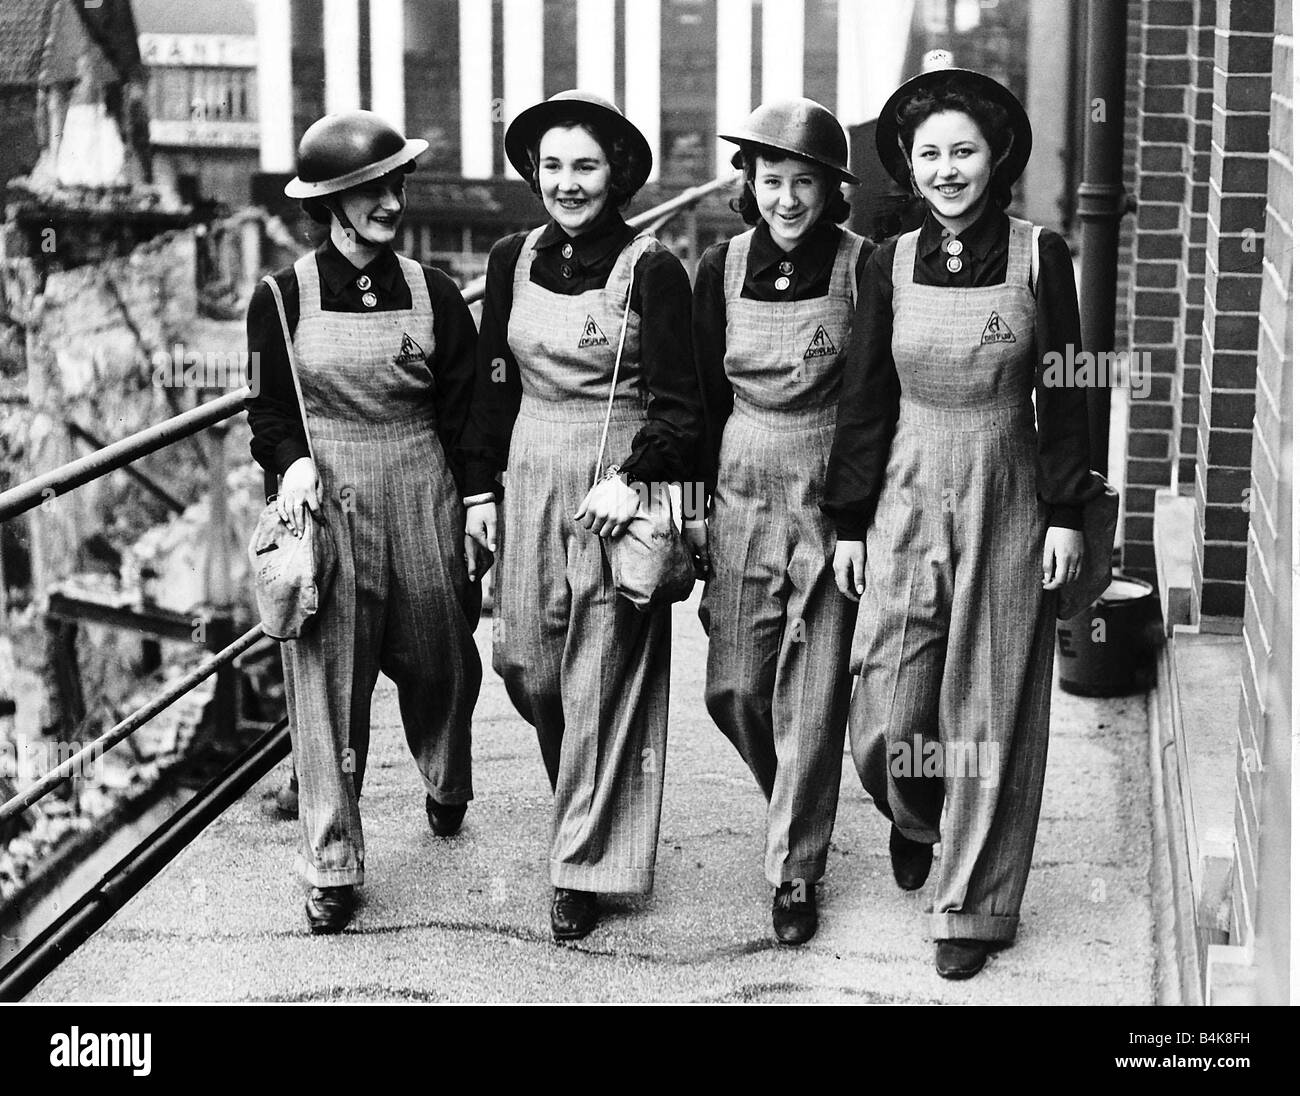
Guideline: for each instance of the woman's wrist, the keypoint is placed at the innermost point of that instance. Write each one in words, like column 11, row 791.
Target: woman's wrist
column 478, row 500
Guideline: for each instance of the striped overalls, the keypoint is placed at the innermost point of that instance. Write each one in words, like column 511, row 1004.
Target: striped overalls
column 954, row 632
column 580, row 663
column 401, row 601
column 779, row 630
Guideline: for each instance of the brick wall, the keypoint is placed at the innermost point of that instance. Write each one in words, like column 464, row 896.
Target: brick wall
column 1127, row 242
column 1260, row 901
column 1198, row 100
column 1164, row 70
column 1243, row 53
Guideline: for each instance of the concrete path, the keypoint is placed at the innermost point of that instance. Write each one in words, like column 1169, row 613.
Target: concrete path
column 466, row 919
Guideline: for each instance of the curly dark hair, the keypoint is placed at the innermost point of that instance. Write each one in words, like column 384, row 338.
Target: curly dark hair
column 623, row 162
column 956, row 94
column 836, row 210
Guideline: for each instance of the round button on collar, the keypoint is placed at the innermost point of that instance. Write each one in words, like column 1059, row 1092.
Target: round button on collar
column 786, row 267
column 363, row 282
column 953, row 247
column 954, row 264
column 566, row 269
column 567, row 251
column 369, row 300
column 783, row 283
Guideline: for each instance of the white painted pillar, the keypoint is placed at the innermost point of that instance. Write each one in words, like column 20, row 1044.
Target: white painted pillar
column 641, row 34
column 522, row 29
column 596, row 47
column 476, row 106
column 342, row 56
column 277, row 141
column 782, row 49
column 735, row 73
column 388, row 60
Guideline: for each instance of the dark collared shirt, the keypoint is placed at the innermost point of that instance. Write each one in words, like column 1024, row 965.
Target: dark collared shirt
column 278, row 437
column 668, row 446
column 869, row 397
column 812, row 262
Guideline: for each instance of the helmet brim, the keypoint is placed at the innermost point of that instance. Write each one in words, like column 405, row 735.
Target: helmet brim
column 298, row 188
column 746, row 137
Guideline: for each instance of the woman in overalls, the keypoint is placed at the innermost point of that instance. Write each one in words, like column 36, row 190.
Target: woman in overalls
column 580, row 663
column 385, row 355
column 957, row 519
column 773, row 308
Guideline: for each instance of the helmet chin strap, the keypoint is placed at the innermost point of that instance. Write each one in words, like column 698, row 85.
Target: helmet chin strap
column 349, row 229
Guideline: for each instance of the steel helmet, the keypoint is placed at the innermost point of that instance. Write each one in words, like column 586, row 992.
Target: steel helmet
column 344, row 150
column 800, row 127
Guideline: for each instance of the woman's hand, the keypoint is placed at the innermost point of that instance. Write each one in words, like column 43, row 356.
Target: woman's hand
column 300, row 491
column 608, row 508
column 1062, row 556
column 850, row 568
column 696, row 535
column 480, row 533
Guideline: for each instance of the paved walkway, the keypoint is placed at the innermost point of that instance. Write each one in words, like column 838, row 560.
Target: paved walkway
column 466, row 919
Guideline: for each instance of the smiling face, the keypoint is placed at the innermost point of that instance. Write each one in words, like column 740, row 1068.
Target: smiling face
column 952, row 165
column 791, row 196
column 375, row 209
column 573, row 174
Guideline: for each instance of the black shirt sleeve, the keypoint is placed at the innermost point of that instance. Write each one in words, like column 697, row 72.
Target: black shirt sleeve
column 709, row 324
column 868, row 411
column 452, row 366
column 1064, row 480
column 485, row 441
column 273, row 416
column 668, row 446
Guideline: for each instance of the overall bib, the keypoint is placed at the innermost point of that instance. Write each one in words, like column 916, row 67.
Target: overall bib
column 779, row 630
column 401, row 601
column 580, row 663
column 949, row 721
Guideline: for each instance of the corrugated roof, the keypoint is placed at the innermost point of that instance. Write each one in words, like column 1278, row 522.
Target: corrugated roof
column 23, row 31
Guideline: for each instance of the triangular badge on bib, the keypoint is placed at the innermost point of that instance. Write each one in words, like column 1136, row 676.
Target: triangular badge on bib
column 822, row 345
column 996, row 331
column 592, row 335
column 410, row 352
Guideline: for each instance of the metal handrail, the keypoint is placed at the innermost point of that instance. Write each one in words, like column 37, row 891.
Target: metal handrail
column 29, row 495
column 128, row 726
column 133, row 872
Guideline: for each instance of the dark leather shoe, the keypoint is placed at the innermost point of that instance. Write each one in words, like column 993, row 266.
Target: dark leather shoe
column 573, row 914
column 911, row 860
column 794, row 921
column 329, row 909
column 444, row 818
column 959, row 959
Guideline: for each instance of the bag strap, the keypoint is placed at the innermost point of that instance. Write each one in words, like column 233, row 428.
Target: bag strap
column 1033, row 259
column 618, row 356
column 293, row 363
